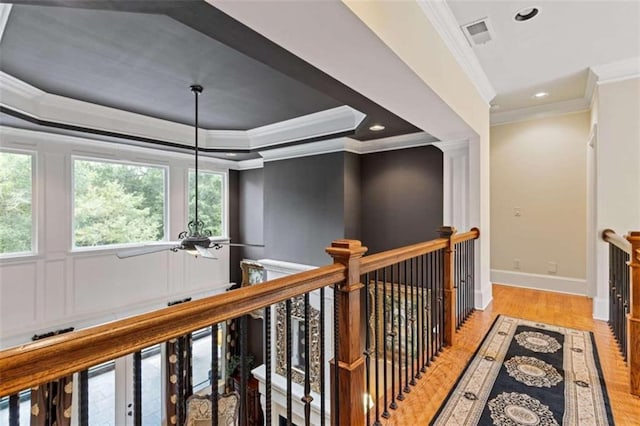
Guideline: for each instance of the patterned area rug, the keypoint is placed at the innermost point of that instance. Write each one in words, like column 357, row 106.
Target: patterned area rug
column 527, row 373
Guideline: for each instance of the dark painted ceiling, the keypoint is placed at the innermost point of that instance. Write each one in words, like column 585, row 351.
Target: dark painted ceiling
column 145, row 63
column 141, row 56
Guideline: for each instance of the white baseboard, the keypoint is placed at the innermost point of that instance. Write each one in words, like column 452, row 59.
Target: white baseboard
column 601, row 309
column 540, row 282
column 483, row 299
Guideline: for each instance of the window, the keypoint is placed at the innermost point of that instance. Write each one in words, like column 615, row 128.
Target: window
column 16, row 203
column 211, row 200
column 116, row 203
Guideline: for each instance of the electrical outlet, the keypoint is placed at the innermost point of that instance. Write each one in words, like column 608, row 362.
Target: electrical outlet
column 516, row 263
column 517, row 211
column 553, row 267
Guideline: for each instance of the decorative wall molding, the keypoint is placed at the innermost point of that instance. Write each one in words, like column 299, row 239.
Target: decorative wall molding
column 540, row 282
column 540, row 111
column 33, row 102
column 392, row 143
column 442, row 18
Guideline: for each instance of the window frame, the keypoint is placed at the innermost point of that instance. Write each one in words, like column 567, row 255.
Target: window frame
column 224, row 197
column 166, row 198
column 34, row 204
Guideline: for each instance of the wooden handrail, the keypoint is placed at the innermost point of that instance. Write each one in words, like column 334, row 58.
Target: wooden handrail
column 610, row 236
column 38, row 362
column 472, row 234
column 391, row 257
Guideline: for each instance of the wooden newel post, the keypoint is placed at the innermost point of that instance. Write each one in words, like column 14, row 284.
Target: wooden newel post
column 633, row 318
column 449, row 285
column 349, row 354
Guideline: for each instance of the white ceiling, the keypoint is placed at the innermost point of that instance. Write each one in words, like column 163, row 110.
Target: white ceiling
column 553, row 51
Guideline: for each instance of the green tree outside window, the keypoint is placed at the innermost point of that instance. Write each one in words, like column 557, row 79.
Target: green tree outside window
column 16, row 213
column 210, row 196
column 117, row 203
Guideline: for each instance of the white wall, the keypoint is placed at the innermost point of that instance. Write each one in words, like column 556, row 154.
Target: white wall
column 538, row 167
column 58, row 287
column 617, row 165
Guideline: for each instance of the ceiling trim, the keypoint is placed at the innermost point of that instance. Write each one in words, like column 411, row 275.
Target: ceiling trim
column 255, row 163
column 25, row 99
column 442, row 18
column 20, row 138
column 346, row 144
column 540, row 111
column 446, row 146
column 616, row 71
column 5, row 10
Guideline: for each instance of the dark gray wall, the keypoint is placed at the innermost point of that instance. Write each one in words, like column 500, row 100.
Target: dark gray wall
column 352, row 198
column 235, row 253
column 303, row 207
column 401, row 197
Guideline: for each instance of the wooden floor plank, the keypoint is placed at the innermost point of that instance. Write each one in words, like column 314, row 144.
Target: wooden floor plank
column 553, row 308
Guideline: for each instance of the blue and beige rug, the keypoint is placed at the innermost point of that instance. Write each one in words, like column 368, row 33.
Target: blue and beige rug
column 527, row 373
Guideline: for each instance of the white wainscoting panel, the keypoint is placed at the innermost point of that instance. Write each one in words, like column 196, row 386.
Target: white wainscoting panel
column 18, row 289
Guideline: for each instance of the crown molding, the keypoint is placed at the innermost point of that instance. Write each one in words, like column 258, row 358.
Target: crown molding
column 447, row 146
column 5, row 10
column 616, row 71
column 445, row 23
column 306, row 150
column 331, row 121
column 31, row 101
column 410, row 140
column 345, row 144
column 32, row 139
column 540, row 111
column 255, row 163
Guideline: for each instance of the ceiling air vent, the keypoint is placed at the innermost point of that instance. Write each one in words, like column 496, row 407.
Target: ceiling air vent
column 478, row 32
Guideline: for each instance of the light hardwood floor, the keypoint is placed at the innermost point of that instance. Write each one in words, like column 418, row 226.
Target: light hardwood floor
column 553, row 308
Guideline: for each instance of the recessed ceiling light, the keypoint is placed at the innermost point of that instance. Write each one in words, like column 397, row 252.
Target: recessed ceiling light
column 376, row 127
column 231, row 154
column 526, row 14
column 540, row 95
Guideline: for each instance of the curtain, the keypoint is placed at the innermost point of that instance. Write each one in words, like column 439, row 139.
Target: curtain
column 51, row 403
column 179, row 378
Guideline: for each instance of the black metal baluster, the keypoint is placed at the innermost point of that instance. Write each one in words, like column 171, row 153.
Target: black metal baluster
column 420, row 314
column 611, row 287
column 14, row 410
column 393, row 335
column 244, row 372
column 400, row 396
column 137, row 388
column 83, row 397
column 267, row 364
column 335, row 408
column 410, row 296
column 406, row 328
column 440, row 304
column 214, row 375
column 376, row 339
column 307, row 398
column 367, row 344
column 289, row 361
column 425, row 317
column 322, row 358
column 179, row 381
column 385, row 325
column 432, row 304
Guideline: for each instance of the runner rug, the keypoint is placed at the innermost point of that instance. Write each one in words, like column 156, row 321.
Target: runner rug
column 527, row 373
